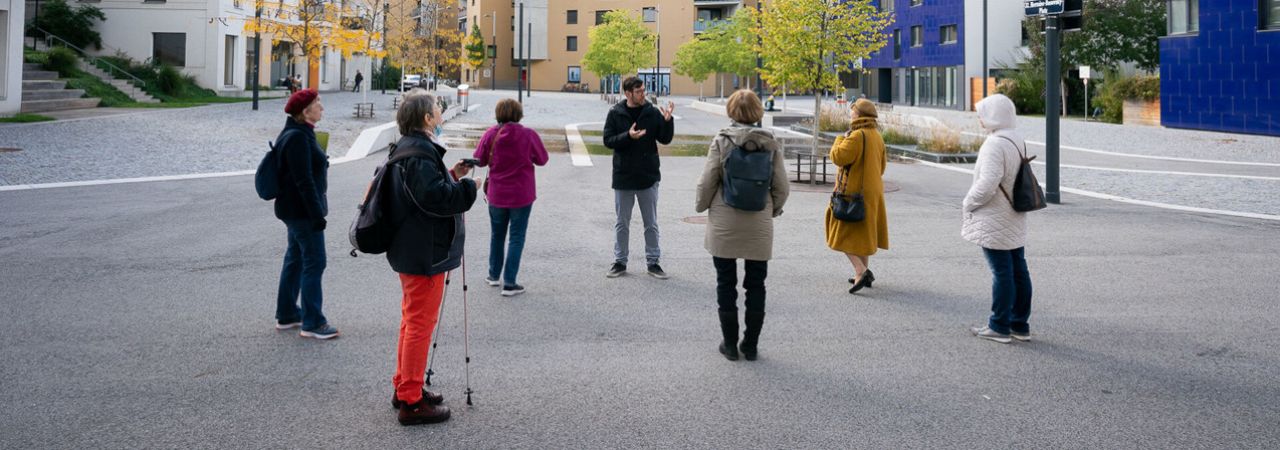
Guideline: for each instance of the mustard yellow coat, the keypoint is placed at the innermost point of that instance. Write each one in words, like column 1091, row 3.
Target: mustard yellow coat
column 865, row 172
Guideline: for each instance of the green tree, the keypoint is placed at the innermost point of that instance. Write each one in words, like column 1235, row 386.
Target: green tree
column 475, row 47
column 1118, row 31
column 693, row 61
column 73, row 24
column 732, row 45
column 808, row 43
column 620, row 45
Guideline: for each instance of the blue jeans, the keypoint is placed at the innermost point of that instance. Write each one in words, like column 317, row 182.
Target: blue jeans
column 500, row 221
column 304, row 262
column 1010, row 290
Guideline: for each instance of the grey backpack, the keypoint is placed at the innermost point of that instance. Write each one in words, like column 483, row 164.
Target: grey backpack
column 748, row 176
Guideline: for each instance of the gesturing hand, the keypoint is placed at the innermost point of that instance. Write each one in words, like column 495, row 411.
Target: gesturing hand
column 666, row 112
column 634, row 133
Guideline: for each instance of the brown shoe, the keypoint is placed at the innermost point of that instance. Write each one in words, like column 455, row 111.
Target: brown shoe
column 431, row 397
column 422, row 413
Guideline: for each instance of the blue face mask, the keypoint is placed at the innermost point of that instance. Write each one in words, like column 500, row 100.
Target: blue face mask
column 438, row 131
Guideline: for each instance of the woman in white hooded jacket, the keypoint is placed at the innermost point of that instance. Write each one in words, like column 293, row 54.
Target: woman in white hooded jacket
column 991, row 222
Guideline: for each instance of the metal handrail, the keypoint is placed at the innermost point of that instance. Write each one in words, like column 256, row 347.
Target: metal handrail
column 92, row 59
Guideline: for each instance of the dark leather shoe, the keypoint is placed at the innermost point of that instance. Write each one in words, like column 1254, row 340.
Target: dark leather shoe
column 431, row 397
column 871, row 278
column 730, row 352
column 422, row 413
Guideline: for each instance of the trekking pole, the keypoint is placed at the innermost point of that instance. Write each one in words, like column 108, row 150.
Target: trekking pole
column 466, row 337
column 435, row 340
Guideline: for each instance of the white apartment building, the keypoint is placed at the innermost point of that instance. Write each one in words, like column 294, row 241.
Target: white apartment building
column 11, row 27
column 206, row 39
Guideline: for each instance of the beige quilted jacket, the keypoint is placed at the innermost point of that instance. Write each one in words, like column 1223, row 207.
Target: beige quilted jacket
column 989, row 219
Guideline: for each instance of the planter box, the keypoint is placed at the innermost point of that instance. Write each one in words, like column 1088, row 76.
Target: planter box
column 912, row 151
column 1138, row 112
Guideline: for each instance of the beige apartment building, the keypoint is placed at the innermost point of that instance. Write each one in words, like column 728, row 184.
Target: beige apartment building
column 557, row 31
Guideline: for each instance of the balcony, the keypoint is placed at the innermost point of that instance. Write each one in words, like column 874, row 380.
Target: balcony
column 716, row 2
column 701, row 26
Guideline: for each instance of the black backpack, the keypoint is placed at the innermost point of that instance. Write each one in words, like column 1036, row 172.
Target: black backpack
column 373, row 230
column 1027, row 194
column 748, row 176
column 267, row 179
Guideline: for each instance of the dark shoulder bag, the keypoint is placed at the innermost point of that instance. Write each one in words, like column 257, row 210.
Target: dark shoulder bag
column 848, row 208
column 1027, row 195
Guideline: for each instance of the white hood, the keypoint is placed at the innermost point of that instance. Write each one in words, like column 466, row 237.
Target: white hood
column 997, row 113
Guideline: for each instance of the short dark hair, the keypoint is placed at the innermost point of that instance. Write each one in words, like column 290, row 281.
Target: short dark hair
column 631, row 83
column 413, row 111
column 508, row 110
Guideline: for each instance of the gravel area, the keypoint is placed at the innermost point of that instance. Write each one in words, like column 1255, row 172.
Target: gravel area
column 1244, row 195
column 205, row 139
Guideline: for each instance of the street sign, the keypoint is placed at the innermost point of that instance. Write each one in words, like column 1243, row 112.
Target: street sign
column 1085, row 72
column 1043, row 7
column 486, row 73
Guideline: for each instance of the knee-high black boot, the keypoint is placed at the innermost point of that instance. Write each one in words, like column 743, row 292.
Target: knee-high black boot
column 754, row 320
column 729, row 328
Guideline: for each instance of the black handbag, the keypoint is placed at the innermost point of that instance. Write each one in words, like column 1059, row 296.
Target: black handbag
column 1027, row 195
column 848, row 208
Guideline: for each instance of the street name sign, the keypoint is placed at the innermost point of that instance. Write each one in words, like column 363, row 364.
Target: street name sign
column 1043, row 7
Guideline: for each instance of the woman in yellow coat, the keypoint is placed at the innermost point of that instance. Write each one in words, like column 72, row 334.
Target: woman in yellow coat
column 861, row 156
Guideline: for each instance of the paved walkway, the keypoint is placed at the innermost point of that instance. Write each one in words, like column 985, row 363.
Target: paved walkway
column 139, row 315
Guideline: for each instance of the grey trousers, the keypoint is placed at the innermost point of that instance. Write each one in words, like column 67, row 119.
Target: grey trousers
column 623, row 201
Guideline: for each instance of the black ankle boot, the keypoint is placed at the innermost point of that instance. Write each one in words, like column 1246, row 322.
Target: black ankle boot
column 729, row 328
column 754, row 320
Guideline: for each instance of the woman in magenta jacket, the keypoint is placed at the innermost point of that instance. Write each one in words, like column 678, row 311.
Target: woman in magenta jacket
column 510, row 151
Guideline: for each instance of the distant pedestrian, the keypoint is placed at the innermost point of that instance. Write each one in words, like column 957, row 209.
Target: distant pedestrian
column 734, row 233
column 510, row 151
column 860, row 154
column 633, row 130
column 428, row 244
column 991, row 222
column 359, row 78
column 302, row 205
column 297, row 82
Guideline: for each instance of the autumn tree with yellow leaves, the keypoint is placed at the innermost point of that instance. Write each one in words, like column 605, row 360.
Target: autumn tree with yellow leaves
column 314, row 26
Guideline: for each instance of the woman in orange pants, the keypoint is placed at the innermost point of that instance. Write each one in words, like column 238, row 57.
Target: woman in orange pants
column 429, row 204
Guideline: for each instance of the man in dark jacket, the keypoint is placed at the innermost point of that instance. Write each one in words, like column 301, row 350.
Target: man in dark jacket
column 302, row 205
column 633, row 130
column 359, row 78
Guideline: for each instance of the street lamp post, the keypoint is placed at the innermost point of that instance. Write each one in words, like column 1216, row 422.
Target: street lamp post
column 493, row 56
column 257, row 48
column 520, row 50
column 984, row 49
column 657, row 69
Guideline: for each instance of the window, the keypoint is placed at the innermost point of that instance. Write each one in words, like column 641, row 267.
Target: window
column 571, row 43
column 1026, row 38
column 710, row 14
column 1184, row 16
column 947, row 34
column 917, row 36
column 513, row 23
column 324, row 64
column 229, row 62
column 1270, row 14
column 575, row 74
column 887, row 5
column 169, row 48
column 600, row 16
column 917, row 2
column 571, row 17
column 650, row 14
column 897, row 39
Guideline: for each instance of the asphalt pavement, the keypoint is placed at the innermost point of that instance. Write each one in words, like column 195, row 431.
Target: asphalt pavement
column 140, row 315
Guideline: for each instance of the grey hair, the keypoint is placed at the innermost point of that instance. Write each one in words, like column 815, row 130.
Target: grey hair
column 417, row 104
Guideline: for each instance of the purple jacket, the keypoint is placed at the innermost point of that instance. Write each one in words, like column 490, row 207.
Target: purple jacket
column 517, row 150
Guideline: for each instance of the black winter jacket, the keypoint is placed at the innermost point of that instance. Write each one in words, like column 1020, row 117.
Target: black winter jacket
column 635, row 161
column 304, row 174
column 431, row 203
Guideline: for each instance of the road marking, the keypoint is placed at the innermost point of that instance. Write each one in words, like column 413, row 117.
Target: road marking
column 1137, row 156
column 1118, row 198
column 577, row 147
column 1165, row 172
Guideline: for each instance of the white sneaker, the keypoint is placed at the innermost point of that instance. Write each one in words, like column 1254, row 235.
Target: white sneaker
column 1024, row 337
column 512, row 291
column 492, row 282
column 990, row 335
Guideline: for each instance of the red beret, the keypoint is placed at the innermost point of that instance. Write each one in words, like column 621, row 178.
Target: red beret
column 300, row 100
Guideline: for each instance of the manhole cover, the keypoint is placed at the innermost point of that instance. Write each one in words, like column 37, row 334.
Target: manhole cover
column 9, row 149
column 697, row 220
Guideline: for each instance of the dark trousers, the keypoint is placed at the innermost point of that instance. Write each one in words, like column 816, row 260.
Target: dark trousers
column 1010, row 290
column 752, row 282
column 304, row 263
column 502, row 220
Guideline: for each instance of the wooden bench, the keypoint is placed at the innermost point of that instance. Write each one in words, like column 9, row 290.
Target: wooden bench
column 364, row 110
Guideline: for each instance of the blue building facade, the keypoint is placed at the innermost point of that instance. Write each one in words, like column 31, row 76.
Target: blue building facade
column 923, row 62
column 1220, row 66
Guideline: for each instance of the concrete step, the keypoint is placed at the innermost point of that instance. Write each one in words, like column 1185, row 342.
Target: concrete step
column 38, row 75
column 42, row 85
column 52, row 94
column 59, row 105
column 31, row 66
